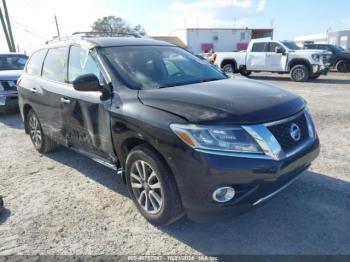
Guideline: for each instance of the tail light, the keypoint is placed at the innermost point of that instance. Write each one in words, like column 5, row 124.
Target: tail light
column 18, row 82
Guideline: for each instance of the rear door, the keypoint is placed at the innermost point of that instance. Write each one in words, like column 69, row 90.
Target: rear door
column 50, row 91
column 275, row 62
column 85, row 114
column 256, row 58
column 29, row 86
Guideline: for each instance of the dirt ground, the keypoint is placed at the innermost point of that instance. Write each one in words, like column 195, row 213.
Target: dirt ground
column 64, row 203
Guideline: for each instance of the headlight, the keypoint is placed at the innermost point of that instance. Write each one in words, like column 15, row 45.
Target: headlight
column 316, row 57
column 228, row 139
column 310, row 123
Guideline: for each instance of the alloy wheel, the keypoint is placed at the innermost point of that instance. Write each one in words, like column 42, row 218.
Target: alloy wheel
column 298, row 74
column 228, row 69
column 146, row 187
column 35, row 131
column 342, row 67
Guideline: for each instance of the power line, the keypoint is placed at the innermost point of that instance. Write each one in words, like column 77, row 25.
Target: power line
column 29, row 31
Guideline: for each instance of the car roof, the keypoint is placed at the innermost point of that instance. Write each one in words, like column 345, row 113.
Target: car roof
column 92, row 42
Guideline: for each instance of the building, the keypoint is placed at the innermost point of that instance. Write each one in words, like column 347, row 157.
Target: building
column 311, row 39
column 171, row 39
column 341, row 38
column 201, row 40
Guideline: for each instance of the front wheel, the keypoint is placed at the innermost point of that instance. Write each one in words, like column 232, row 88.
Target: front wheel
column 152, row 187
column 299, row 73
column 342, row 66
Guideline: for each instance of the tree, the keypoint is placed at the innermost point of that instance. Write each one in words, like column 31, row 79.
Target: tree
column 116, row 26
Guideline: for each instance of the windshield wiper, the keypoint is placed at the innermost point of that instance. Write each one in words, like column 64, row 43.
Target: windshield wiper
column 190, row 83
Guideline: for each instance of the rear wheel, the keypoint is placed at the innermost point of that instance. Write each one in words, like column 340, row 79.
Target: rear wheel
column 342, row 66
column 299, row 73
column 41, row 142
column 152, row 186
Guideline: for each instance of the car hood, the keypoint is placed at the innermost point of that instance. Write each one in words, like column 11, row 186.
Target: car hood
column 10, row 74
column 231, row 101
column 312, row 51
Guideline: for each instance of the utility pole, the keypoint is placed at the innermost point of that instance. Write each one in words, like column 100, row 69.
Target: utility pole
column 9, row 29
column 58, row 30
column 272, row 25
column 5, row 30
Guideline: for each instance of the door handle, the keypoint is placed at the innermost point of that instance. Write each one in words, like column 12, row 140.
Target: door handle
column 65, row 100
column 34, row 90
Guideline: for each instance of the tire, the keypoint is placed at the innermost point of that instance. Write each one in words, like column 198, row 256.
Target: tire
column 41, row 142
column 299, row 73
column 229, row 68
column 244, row 72
column 1, row 204
column 342, row 66
column 157, row 183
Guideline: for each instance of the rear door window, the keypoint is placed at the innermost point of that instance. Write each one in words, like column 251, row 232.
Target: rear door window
column 54, row 65
column 35, row 63
column 81, row 63
column 259, row 47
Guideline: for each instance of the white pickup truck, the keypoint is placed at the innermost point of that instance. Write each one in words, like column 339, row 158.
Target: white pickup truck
column 276, row 56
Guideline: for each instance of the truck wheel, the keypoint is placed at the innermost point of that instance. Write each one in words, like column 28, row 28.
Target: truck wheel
column 41, row 142
column 300, row 73
column 152, row 187
column 342, row 66
column 245, row 72
column 228, row 68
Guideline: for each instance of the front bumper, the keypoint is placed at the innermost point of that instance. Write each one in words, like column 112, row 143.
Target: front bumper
column 8, row 102
column 255, row 181
column 321, row 69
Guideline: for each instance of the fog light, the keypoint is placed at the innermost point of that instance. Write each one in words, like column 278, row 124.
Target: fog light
column 224, row 194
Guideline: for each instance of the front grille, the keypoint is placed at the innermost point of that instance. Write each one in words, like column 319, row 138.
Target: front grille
column 282, row 132
column 326, row 59
column 8, row 85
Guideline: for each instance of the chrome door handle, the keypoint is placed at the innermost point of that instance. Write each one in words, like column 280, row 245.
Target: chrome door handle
column 34, row 90
column 65, row 100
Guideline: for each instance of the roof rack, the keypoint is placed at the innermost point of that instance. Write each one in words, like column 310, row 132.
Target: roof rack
column 106, row 34
column 82, row 35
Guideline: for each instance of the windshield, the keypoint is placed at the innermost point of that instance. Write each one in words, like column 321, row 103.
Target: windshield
column 291, row 45
column 12, row 62
column 339, row 48
column 150, row 67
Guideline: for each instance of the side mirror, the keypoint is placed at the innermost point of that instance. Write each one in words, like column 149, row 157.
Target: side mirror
column 279, row 50
column 87, row 83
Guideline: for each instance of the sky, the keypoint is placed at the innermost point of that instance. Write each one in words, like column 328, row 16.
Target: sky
column 33, row 20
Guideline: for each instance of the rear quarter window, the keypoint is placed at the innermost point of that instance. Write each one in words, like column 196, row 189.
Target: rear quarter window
column 35, row 63
column 55, row 63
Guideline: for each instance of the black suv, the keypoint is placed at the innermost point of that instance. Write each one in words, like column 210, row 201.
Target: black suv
column 186, row 138
column 340, row 60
